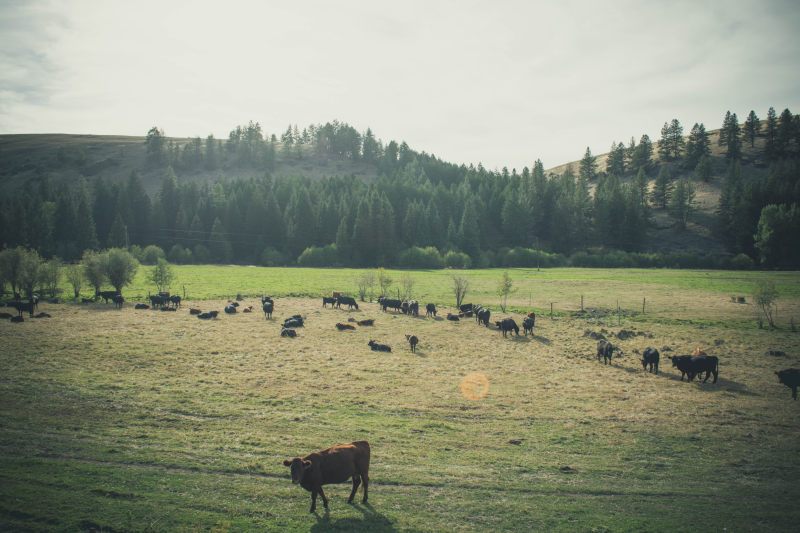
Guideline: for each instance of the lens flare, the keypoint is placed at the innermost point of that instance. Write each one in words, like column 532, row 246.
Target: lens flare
column 474, row 386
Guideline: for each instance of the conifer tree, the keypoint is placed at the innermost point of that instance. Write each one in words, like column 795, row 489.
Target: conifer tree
column 662, row 188
column 588, row 169
column 698, row 146
column 785, row 132
column 771, row 135
column 681, row 202
column 752, row 126
column 643, row 155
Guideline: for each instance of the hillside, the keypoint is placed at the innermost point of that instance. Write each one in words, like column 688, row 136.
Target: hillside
column 67, row 158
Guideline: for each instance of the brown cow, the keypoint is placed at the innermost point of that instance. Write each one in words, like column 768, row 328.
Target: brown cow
column 699, row 351
column 332, row 465
column 195, row 311
column 366, row 322
column 413, row 341
column 342, row 327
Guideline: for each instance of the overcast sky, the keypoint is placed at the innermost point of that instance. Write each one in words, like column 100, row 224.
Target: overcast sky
column 498, row 82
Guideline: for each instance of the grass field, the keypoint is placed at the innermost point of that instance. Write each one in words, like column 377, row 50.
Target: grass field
column 153, row 421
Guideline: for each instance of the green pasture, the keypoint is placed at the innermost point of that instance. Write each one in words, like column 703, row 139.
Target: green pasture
column 675, row 295
column 142, row 420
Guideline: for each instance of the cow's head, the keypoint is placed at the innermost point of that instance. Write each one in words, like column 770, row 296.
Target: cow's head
column 298, row 468
column 674, row 359
column 780, row 376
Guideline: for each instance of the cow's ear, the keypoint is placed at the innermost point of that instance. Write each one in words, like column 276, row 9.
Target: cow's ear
column 287, row 462
column 307, row 464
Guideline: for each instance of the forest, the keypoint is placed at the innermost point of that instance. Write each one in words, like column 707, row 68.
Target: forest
column 420, row 211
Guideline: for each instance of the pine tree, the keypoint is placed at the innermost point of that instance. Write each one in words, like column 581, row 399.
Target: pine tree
column 698, row 146
column 662, row 188
column 588, row 169
column 730, row 136
column 615, row 164
column 84, row 230
column 643, row 155
column 665, row 144
column 117, row 236
column 771, row 135
column 681, row 202
column 676, row 142
column 218, row 243
column 785, row 133
column 703, row 169
column 752, row 126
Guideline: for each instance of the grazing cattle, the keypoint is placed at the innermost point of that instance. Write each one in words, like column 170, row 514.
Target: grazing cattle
column 28, row 306
column 413, row 308
column 527, row 324
column 195, row 311
column 791, row 378
column 233, row 304
column 295, row 321
column 168, row 309
column 531, row 314
column 230, row 309
column 452, row 317
column 175, row 300
column 650, row 357
column 605, row 350
column 143, row 306
column 328, row 300
column 390, row 302
column 106, row 295
column 379, row 347
column 332, row 465
column 430, row 309
column 336, row 294
column 483, row 316
column 366, row 322
column 265, row 299
column 349, row 301
column 465, row 307
column 692, row 365
column 156, row 300
column 506, row 325
column 404, row 307
column 342, row 327
column 412, row 341
column 118, row 301
column 287, row 332
column 267, row 308
column 6, row 316
column 248, row 309
column 205, row 316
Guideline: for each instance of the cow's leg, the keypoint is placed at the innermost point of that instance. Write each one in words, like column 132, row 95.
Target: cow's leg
column 313, row 500
column 356, row 483
column 324, row 499
column 716, row 372
column 794, row 395
column 365, row 479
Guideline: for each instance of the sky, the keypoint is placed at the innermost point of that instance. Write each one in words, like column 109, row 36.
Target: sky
column 503, row 83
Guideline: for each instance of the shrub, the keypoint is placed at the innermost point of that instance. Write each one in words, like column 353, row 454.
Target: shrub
column 314, row 256
column 179, row 255
column 151, row 255
column 454, row 259
column 742, row 262
column 416, row 257
column 270, row 257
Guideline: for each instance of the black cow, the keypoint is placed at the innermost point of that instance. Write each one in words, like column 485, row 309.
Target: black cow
column 175, row 300
column 527, row 324
column 118, row 301
column 650, row 357
column 328, row 300
column 390, row 302
column 605, row 350
column 465, row 307
column 692, row 365
column 332, row 465
column 483, row 316
column 452, row 317
column 265, row 299
column 349, row 301
column 379, row 347
column 506, row 325
column 106, row 295
column 267, row 308
column 156, row 300
column 143, row 306
column 430, row 309
column 208, row 315
column 413, row 340
column 287, row 332
column 230, row 309
column 413, row 308
column 295, row 321
column 791, row 378
column 28, row 306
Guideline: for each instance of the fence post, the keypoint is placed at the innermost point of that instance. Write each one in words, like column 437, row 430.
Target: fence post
column 581, row 303
column 619, row 318
column 551, row 310
column 644, row 301
column 184, row 292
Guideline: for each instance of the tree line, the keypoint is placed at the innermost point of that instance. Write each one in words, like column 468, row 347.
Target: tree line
column 418, row 205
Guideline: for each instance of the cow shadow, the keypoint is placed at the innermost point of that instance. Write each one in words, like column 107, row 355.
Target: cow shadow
column 722, row 385
column 370, row 521
column 540, row 339
column 420, row 353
